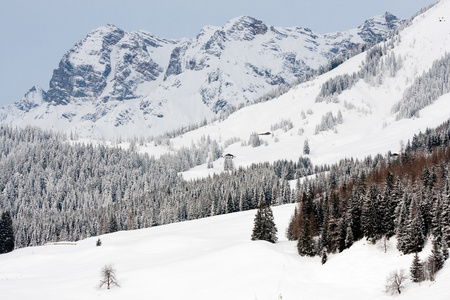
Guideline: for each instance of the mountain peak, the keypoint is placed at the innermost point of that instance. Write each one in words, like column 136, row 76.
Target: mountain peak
column 105, row 29
column 377, row 27
column 33, row 98
column 245, row 28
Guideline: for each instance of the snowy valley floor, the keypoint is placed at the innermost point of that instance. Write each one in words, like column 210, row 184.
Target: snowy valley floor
column 211, row 258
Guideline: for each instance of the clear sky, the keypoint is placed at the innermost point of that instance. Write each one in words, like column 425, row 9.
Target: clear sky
column 35, row 34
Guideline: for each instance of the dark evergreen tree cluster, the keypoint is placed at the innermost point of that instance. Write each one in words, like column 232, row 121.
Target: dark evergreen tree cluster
column 407, row 195
column 6, row 233
column 56, row 190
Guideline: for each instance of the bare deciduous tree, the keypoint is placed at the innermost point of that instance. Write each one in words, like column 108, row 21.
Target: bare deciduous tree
column 394, row 282
column 108, row 276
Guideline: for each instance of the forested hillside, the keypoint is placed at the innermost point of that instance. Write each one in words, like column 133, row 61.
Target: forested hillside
column 57, row 190
column 405, row 194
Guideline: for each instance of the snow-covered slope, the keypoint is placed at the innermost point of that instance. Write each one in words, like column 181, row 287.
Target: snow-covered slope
column 211, row 258
column 117, row 83
column 368, row 124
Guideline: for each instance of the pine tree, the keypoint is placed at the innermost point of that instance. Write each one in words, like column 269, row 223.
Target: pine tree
column 416, row 270
column 355, row 214
column 370, row 219
column 6, row 233
column 388, row 204
column 401, row 225
column 436, row 259
column 414, row 229
column 349, row 236
column 264, row 226
column 305, row 244
column 292, row 231
column 324, row 241
column 342, row 234
column 254, row 140
column 306, row 149
column 113, row 226
column 445, row 214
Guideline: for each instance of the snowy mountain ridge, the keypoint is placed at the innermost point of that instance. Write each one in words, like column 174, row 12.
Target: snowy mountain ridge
column 117, row 83
column 356, row 119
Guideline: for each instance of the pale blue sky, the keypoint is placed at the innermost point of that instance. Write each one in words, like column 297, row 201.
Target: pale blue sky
column 34, row 34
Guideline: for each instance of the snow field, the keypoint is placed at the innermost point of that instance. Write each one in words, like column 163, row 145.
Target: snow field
column 211, row 258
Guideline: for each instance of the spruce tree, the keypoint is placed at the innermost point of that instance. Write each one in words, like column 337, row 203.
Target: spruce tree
column 305, row 244
column 113, row 226
column 416, row 270
column 324, row 241
column 306, row 149
column 342, row 234
column 264, row 226
column 6, row 233
column 414, row 229
column 355, row 214
column 445, row 214
column 349, row 236
column 292, row 230
column 388, row 204
column 401, row 225
column 370, row 219
column 436, row 259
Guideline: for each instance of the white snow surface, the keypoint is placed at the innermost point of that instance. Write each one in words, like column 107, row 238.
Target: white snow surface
column 210, row 258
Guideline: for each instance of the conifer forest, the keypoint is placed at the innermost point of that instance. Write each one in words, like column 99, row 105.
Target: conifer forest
column 58, row 190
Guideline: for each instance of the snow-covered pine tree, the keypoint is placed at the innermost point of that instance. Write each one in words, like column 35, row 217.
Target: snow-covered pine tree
column 436, row 259
column 414, row 229
column 388, row 205
column 306, row 149
column 264, row 225
column 113, row 225
column 254, row 140
column 400, row 222
column 370, row 218
column 305, row 244
column 349, row 236
column 416, row 270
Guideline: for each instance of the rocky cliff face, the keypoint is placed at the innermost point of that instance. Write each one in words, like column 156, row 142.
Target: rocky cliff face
column 140, row 84
column 108, row 64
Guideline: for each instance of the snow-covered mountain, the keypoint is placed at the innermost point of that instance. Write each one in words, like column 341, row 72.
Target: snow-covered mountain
column 118, row 83
column 354, row 110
